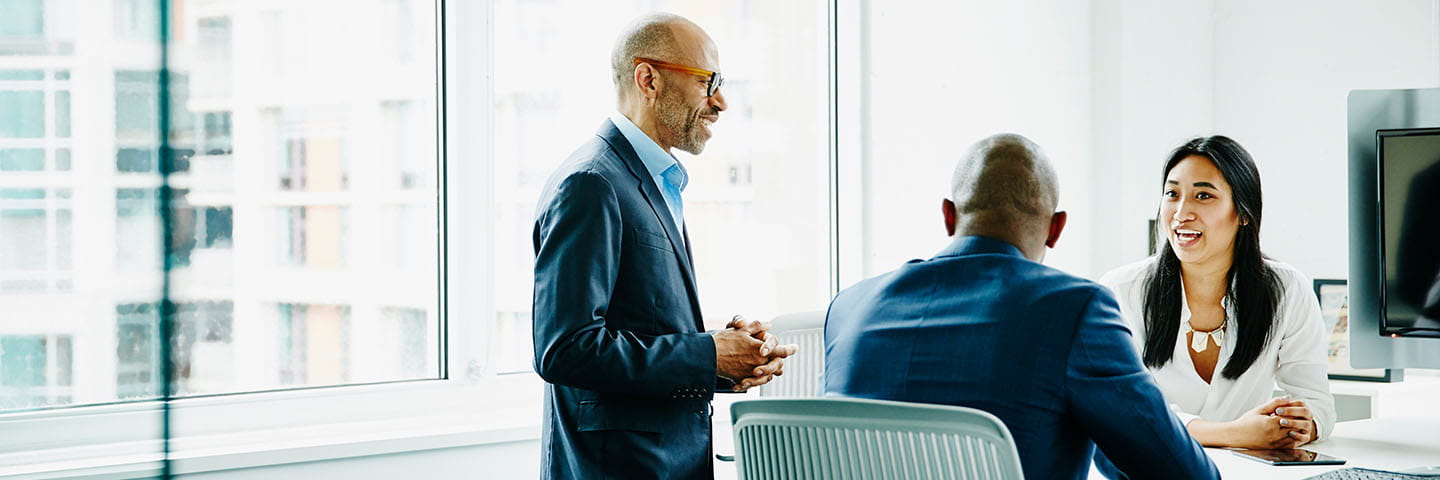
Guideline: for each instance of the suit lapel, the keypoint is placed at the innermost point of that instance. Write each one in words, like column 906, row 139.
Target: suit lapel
column 651, row 192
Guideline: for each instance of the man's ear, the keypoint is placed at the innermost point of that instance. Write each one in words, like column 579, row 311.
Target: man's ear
column 1057, row 224
column 647, row 79
column 948, row 207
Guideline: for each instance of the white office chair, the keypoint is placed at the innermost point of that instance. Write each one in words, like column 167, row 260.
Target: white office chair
column 845, row 438
column 802, row 371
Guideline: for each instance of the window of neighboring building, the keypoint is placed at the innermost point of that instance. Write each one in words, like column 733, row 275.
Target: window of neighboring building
column 36, row 226
column 36, row 370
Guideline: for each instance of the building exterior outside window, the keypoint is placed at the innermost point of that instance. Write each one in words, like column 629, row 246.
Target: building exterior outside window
column 294, row 177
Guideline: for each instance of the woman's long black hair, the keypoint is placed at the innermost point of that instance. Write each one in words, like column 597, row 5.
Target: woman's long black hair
column 1252, row 285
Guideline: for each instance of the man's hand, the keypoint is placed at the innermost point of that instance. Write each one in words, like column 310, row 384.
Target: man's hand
column 737, row 353
column 761, row 364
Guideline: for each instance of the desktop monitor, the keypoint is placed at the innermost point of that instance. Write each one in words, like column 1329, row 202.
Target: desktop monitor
column 1394, row 177
column 1408, row 169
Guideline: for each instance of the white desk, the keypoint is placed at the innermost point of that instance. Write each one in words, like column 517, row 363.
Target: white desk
column 1393, row 443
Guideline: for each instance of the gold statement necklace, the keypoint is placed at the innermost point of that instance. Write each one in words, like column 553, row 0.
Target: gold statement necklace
column 1200, row 341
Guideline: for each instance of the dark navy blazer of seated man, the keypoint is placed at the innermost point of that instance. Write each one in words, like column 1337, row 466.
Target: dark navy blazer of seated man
column 984, row 325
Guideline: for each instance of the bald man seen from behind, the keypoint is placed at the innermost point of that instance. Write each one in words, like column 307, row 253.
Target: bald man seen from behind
column 628, row 365
column 985, row 325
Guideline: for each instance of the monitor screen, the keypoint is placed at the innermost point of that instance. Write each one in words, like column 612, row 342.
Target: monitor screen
column 1409, row 223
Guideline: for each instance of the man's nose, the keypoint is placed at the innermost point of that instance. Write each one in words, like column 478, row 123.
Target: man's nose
column 717, row 101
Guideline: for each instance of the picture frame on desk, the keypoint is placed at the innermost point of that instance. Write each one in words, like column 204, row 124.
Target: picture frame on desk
column 1335, row 308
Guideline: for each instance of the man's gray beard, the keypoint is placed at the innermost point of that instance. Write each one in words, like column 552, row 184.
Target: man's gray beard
column 673, row 116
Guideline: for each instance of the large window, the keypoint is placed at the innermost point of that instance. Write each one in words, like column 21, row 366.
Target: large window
column 300, row 162
column 300, row 171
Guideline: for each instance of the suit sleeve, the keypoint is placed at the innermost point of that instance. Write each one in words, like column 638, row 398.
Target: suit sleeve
column 1114, row 399
column 577, row 259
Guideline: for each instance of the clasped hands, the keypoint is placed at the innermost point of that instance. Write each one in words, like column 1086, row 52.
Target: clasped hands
column 1279, row 423
column 747, row 354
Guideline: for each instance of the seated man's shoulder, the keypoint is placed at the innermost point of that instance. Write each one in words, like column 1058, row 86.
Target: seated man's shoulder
column 1059, row 281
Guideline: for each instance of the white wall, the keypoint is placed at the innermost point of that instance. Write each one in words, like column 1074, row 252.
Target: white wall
column 1271, row 74
column 1108, row 89
column 1153, row 90
column 1282, row 73
column 943, row 75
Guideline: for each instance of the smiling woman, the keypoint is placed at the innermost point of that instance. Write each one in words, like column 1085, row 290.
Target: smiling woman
column 1210, row 300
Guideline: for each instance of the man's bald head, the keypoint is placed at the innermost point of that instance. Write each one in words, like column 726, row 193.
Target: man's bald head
column 660, row 36
column 1005, row 188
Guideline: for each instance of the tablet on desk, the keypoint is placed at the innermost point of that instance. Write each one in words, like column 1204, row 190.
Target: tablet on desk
column 1289, row 456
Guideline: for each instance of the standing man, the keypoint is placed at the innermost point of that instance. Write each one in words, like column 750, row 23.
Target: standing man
column 618, row 333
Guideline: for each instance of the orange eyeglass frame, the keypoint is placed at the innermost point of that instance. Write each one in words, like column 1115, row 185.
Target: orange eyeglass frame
column 715, row 78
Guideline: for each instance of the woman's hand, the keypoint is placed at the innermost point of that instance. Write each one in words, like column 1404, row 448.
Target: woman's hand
column 1264, row 428
column 1298, row 419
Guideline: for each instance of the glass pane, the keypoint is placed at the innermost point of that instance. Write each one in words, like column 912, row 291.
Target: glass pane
column 35, row 371
column 24, row 114
column 22, row 74
column 62, row 113
column 23, row 231
column 59, row 336
column 22, row 18
column 63, row 242
column 62, row 159
column 137, row 227
column 136, row 119
column 138, row 20
column 79, row 270
column 22, row 159
column 137, row 351
column 335, row 171
column 755, row 206
column 296, row 203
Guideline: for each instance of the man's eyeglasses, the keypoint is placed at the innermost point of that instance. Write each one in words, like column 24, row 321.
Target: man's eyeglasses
column 711, row 86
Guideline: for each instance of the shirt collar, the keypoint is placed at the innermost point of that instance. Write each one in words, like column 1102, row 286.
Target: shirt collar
column 656, row 159
column 977, row 245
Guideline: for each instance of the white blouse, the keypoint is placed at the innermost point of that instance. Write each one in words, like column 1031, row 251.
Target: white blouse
column 1294, row 359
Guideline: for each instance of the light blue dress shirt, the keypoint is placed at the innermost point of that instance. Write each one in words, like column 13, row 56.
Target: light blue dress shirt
column 667, row 172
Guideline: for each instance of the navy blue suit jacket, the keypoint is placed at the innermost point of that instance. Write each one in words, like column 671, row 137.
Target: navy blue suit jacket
column 618, row 334
column 981, row 326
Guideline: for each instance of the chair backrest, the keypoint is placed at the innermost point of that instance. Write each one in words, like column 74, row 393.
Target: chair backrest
column 802, row 371
column 842, row 438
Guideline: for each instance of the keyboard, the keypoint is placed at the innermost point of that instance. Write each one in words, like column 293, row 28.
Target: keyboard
column 1368, row 474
